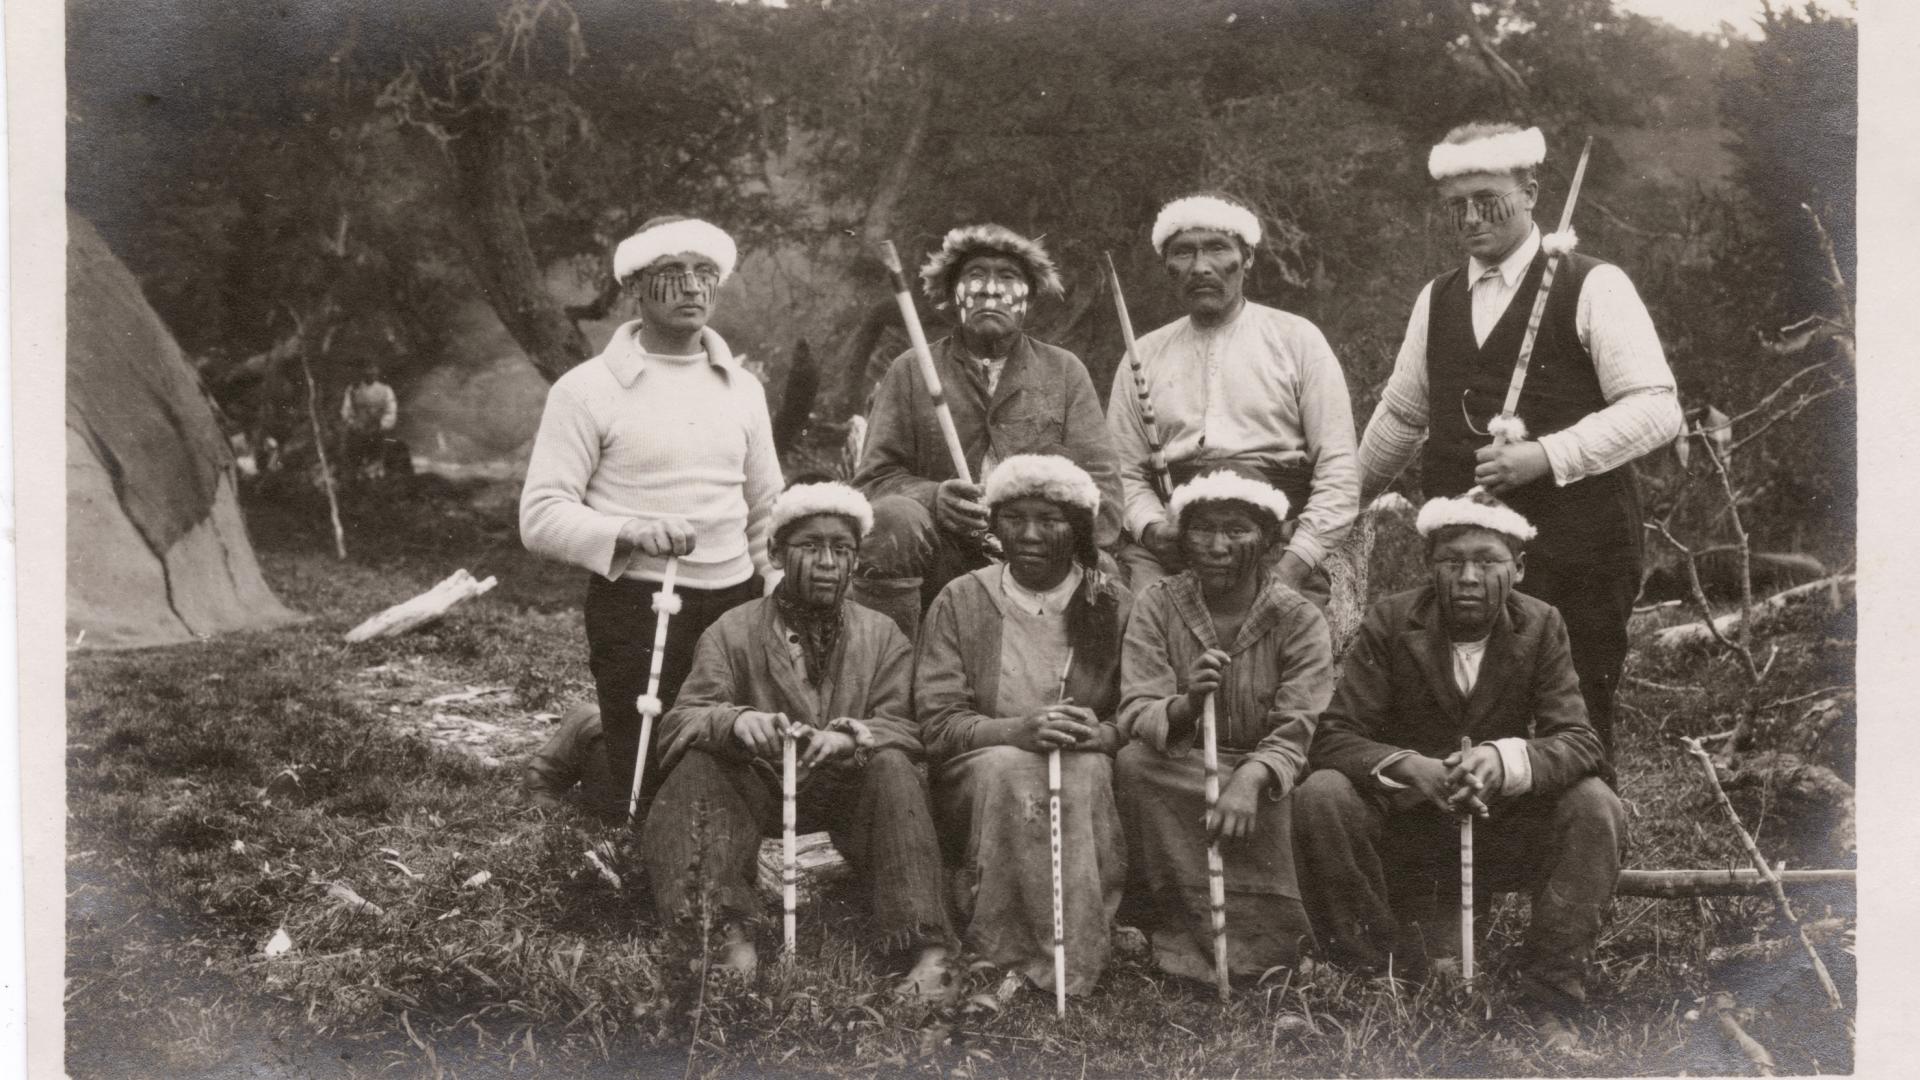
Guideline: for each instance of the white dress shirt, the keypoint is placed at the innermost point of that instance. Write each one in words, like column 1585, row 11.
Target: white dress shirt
column 1642, row 411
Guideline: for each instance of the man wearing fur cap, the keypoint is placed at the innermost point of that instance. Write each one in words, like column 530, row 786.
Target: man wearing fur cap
column 1234, row 382
column 658, row 448
column 1376, row 823
column 1598, row 394
column 1009, row 394
column 839, row 677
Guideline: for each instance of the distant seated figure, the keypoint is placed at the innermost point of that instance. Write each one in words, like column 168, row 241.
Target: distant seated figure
column 368, row 411
column 809, row 661
column 571, row 768
column 1376, row 824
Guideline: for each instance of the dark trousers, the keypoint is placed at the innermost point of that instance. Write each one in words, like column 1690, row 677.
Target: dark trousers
column 1594, row 593
column 907, row 560
column 1380, row 871
column 620, row 654
column 713, row 812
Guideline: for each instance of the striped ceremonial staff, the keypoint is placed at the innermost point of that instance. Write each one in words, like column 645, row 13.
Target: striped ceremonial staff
column 924, row 355
column 1216, row 869
column 1466, row 877
column 666, row 604
column 1156, row 451
column 1506, row 427
column 789, row 819
column 1059, row 883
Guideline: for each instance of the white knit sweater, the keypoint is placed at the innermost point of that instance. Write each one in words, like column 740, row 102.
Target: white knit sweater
column 629, row 434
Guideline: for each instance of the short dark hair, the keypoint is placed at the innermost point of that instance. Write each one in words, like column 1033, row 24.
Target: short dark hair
column 1447, row 532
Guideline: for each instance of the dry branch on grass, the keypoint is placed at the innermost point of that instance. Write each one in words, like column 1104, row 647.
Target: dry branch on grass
column 1725, row 1013
column 1680, row 884
column 1701, row 633
column 422, row 609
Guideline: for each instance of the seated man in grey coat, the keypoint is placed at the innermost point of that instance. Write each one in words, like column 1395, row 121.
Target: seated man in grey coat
column 1376, row 825
column 1009, row 394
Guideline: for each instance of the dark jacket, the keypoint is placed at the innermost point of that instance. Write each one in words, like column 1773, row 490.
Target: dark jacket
column 1398, row 693
column 1044, row 404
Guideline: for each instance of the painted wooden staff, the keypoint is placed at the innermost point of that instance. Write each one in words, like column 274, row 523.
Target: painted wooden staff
column 789, row 820
column 924, row 355
column 666, row 604
column 1466, row 876
column 1156, row 450
column 1216, row 868
column 1507, row 427
column 1059, row 877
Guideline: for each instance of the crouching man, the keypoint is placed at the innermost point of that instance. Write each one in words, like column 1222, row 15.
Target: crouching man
column 804, row 659
column 1376, row 831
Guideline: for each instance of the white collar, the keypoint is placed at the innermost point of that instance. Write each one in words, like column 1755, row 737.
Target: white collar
column 626, row 357
column 1052, row 602
column 1514, row 266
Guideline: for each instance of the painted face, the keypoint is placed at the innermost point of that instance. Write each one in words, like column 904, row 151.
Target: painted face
column 676, row 292
column 818, row 554
column 1208, row 270
column 1489, row 212
column 1224, row 543
column 1472, row 574
column 991, row 294
column 1037, row 537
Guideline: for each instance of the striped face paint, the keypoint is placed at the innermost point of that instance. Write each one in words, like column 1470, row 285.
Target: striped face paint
column 670, row 284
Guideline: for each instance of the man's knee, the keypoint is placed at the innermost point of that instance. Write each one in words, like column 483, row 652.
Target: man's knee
column 1591, row 809
column 1325, row 799
column 891, row 772
column 902, row 540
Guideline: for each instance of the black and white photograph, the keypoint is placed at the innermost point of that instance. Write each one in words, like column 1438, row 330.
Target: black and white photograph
column 953, row 538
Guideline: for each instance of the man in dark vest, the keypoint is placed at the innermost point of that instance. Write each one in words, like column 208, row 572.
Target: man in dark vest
column 1598, row 394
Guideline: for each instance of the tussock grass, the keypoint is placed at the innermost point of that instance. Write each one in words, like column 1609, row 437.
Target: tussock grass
column 235, row 781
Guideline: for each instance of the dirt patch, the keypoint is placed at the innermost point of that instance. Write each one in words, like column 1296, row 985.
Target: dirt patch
column 430, row 699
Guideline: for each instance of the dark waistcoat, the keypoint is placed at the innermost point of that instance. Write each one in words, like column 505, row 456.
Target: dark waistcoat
column 1467, row 384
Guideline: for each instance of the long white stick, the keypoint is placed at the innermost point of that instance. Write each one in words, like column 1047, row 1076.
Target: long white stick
column 1466, row 880
column 1216, row 868
column 1059, row 876
column 665, row 603
column 903, row 295
column 789, row 817
column 1525, row 359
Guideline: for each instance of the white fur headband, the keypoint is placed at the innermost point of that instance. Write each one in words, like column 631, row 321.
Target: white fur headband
column 1500, row 153
column 1046, row 476
column 1205, row 212
column 1224, row 485
column 638, row 251
column 806, row 500
column 1484, row 512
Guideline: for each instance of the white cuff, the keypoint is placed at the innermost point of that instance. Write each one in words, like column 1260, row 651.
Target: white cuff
column 1380, row 775
column 1561, row 453
column 1515, row 764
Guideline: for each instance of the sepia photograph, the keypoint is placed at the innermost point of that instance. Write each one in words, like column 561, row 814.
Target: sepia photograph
column 953, row 538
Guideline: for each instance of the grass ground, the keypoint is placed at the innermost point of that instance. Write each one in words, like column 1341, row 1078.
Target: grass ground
column 224, row 791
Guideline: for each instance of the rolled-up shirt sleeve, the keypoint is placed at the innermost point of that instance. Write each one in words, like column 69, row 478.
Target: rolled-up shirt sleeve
column 1643, row 410
column 1398, row 427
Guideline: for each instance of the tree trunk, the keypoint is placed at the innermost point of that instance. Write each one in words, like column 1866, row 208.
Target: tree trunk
column 500, row 255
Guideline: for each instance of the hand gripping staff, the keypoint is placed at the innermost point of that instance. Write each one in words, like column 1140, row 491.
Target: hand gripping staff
column 1507, row 427
column 789, row 817
column 1059, row 883
column 1216, row 869
column 1466, row 876
column 1156, row 451
column 666, row 604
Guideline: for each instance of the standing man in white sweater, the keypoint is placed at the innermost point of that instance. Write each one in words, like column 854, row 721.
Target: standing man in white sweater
column 659, row 447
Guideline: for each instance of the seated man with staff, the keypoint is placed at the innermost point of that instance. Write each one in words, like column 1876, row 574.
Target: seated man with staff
column 1016, row 660
column 1009, row 394
column 1222, row 627
column 840, row 677
column 1233, row 382
column 1376, row 830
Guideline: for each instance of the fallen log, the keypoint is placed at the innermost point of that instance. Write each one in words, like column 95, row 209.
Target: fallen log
column 422, row 609
column 1726, row 1014
column 1697, row 633
column 1679, row 884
